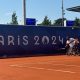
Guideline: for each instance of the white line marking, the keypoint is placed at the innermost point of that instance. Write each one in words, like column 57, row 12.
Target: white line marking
column 48, row 63
column 53, row 70
column 37, row 68
column 65, row 71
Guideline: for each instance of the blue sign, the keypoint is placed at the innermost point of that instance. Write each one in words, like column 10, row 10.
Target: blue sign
column 70, row 23
column 32, row 39
column 30, row 21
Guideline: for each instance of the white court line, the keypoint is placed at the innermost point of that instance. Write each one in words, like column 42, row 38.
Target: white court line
column 37, row 68
column 51, row 64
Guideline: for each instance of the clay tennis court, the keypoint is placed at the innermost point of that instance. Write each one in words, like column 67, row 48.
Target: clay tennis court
column 40, row 68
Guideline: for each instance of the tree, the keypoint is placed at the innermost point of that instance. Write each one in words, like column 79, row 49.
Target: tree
column 58, row 22
column 46, row 21
column 77, row 22
column 14, row 19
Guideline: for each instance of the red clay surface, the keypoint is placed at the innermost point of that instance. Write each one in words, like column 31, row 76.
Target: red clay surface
column 40, row 68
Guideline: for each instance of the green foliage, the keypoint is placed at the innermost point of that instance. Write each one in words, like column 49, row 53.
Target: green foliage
column 14, row 19
column 58, row 22
column 46, row 21
column 77, row 22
